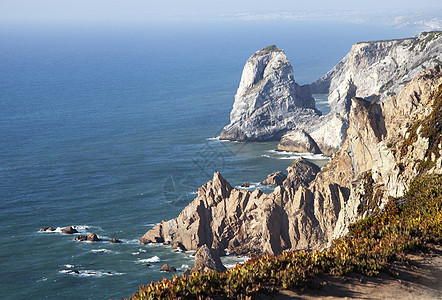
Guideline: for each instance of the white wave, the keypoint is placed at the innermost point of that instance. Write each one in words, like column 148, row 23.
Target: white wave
column 101, row 250
column 90, row 273
column 213, row 138
column 194, row 193
column 135, row 253
column 232, row 261
column 183, row 267
column 134, row 241
column 69, row 266
column 293, row 155
column 153, row 259
column 142, row 250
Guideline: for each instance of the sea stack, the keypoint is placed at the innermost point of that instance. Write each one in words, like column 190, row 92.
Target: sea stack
column 268, row 102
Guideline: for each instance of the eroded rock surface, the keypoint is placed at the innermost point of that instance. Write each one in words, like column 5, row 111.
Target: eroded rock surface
column 268, row 102
column 387, row 146
column 207, row 260
column 276, row 178
column 372, row 71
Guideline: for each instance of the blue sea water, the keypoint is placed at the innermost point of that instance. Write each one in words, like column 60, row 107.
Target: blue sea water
column 111, row 129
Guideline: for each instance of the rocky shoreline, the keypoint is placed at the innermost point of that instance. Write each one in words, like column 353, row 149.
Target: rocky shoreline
column 312, row 207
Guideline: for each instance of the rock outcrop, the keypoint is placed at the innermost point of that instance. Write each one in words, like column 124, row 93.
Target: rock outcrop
column 298, row 141
column 300, row 173
column 388, row 144
column 44, row 229
column 207, row 260
column 276, row 178
column 372, row 71
column 69, row 230
column 268, row 102
column 168, row 269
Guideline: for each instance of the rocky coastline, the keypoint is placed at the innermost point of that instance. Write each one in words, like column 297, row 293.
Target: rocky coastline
column 385, row 146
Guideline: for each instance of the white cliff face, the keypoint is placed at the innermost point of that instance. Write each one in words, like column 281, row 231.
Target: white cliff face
column 373, row 71
column 268, row 101
column 379, row 69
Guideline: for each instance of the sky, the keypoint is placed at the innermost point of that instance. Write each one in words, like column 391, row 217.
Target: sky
column 115, row 11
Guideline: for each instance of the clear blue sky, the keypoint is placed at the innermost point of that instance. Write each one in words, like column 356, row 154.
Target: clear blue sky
column 142, row 10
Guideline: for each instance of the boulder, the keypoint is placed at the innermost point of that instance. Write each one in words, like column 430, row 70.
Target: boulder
column 69, row 230
column 92, row 237
column 80, row 238
column 114, row 241
column 245, row 185
column 276, row 178
column 207, row 260
column 167, row 268
column 298, row 141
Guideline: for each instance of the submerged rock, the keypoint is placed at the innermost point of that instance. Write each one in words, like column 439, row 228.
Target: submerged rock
column 80, row 238
column 114, row 241
column 43, row 229
column 167, row 268
column 207, row 260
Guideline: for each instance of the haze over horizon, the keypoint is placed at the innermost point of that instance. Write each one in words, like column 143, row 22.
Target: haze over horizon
column 139, row 11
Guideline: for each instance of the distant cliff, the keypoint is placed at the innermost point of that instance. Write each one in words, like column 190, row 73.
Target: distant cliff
column 269, row 105
column 268, row 101
column 372, row 71
column 388, row 145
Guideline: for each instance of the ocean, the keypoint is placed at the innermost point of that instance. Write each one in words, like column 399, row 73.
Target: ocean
column 113, row 129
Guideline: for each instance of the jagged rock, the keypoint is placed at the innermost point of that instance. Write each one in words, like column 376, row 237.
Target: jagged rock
column 276, row 178
column 300, row 173
column 114, row 241
column 80, row 238
column 43, row 229
column 268, row 101
column 245, row 184
column 244, row 222
column 207, row 260
column 178, row 245
column 310, row 208
column 92, row 237
column 298, row 141
column 167, row 268
column 69, row 230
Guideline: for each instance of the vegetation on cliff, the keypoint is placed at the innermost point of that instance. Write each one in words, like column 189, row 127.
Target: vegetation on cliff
column 430, row 128
column 370, row 247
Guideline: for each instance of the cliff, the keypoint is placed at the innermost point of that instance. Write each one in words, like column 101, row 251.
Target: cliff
column 388, row 145
column 268, row 101
column 372, row 71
